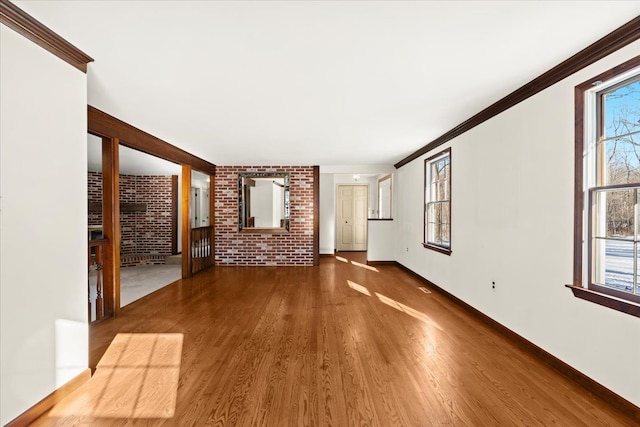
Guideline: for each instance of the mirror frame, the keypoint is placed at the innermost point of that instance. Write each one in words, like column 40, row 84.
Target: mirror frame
column 241, row 204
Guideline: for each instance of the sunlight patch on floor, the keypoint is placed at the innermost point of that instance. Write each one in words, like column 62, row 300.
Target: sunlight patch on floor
column 136, row 378
column 393, row 303
column 368, row 267
column 339, row 258
column 358, row 288
column 406, row 309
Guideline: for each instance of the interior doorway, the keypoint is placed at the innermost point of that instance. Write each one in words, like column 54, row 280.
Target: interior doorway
column 351, row 217
column 146, row 230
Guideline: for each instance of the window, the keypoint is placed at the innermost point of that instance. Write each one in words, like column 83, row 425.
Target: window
column 608, row 189
column 437, row 202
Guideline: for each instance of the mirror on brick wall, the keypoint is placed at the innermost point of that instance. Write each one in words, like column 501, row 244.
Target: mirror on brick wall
column 263, row 202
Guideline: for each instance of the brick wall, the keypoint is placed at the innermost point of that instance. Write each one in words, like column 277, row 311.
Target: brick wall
column 94, row 184
column 235, row 248
column 140, row 232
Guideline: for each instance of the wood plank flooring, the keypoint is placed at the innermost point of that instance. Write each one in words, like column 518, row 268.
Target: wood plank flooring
column 342, row 344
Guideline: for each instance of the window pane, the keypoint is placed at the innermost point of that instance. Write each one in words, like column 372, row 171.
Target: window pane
column 434, row 172
column 433, row 212
column 438, row 223
column 613, row 264
column 622, row 110
column 622, row 160
column 444, row 234
column 615, row 214
column 442, row 191
column 445, row 213
column 431, row 232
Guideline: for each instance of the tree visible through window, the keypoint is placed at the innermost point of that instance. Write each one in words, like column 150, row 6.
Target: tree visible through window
column 437, row 223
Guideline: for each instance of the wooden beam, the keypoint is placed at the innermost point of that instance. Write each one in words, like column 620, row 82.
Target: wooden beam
column 174, row 214
column 95, row 207
column 104, row 125
column 212, row 216
column 186, row 221
column 111, row 223
column 316, row 215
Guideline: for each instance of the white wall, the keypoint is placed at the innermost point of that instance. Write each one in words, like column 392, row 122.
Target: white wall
column 43, row 223
column 380, row 240
column 327, row 214
column 512, row 213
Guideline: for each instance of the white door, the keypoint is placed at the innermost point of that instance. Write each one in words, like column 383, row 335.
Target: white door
column 351, row 217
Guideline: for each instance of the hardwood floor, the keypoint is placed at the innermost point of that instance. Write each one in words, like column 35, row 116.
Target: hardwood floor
column 342, row 344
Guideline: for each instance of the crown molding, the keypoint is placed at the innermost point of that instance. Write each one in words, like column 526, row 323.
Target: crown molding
column 608, row 44
column 20, row 21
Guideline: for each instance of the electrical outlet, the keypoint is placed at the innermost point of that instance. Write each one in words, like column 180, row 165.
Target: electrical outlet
column 407, row 249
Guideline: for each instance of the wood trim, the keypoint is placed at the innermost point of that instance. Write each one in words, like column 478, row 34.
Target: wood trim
column 379, row 219
column 617, row 39
column 104, row 125
column 381, row 262
column 111, row 224
column 174, row 214
column 437, row 248
column 23, row 23
column 606, row 300
column 316, row 215
column 593, row 387
column 212, row 216
column 186, row 221
column 96, row 207
column 37, row 410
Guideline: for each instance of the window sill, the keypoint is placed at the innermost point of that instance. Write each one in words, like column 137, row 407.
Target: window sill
column 440, row 249
column 599, row 298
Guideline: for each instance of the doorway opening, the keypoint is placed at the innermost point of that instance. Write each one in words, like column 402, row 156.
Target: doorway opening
column 148, row 223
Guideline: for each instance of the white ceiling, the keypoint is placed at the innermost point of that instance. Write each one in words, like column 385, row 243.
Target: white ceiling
column 325, row 82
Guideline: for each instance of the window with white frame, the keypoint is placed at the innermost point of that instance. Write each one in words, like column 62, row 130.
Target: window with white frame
column 437, row 193
column 611, row 184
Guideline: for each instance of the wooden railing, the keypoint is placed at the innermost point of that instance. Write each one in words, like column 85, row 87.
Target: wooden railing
column 201, row 248
column 96, row 257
